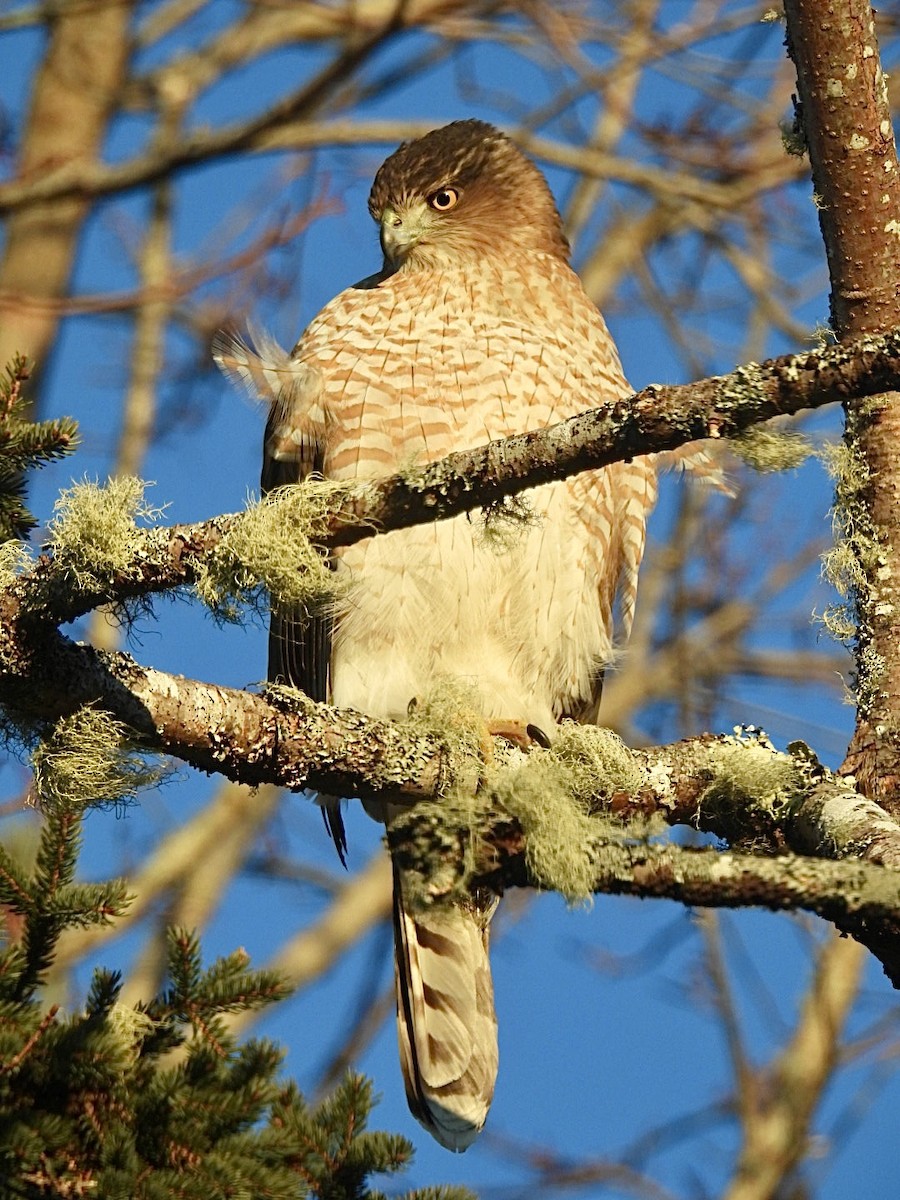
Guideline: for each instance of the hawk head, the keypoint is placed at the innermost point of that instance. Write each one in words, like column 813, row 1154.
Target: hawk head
column 462, row 193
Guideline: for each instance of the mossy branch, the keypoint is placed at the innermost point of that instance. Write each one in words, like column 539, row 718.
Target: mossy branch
column 591, row 791
column 231, row 556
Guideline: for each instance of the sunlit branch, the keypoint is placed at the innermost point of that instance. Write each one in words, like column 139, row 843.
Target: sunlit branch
column 654, row 420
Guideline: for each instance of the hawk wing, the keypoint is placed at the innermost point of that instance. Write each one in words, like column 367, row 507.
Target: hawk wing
column 299, row 642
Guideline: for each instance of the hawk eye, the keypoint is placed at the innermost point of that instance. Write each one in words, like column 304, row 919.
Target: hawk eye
column 444, row 199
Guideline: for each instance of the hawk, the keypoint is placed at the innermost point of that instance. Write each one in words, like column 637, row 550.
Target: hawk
column 476, row 327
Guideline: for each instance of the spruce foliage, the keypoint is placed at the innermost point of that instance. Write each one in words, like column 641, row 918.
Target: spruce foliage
column 24, row 445
column 160, row 1100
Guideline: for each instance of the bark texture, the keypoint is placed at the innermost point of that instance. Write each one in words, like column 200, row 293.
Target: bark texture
column 846, row 117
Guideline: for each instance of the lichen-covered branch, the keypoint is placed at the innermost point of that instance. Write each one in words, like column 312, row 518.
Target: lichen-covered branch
column 654, row 420
column 579, row 817
column 280, row 737
column 859, row 899
column 742, row 790
column 737, row 787
column 850, row 894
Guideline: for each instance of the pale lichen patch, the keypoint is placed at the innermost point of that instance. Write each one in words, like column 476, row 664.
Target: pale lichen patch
column 765, row 449
column 271, row 548
column 15, row 557
column 94, row 534
column 87, row 761
column 747, row 770
column 558, row 832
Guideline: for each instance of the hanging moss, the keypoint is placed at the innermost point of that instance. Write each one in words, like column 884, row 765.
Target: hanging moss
column 504, row 522
column 765, row 450
column 857, row 551
column 270, row 549
column 558, row 832
column 556, row 797
column 94, row 534
column 86, row 761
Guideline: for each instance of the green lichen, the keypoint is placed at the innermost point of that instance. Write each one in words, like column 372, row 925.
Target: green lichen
column 445, row 830
column 558, row 831
column 85, row 760
column 598, row 761
column 856, row 552
column 452, row 709
column 745, row 383
column 15, row 557
column 94, row 534
column 766, row 450
column 856, row 562
column 747, row 772
column 556, row 796
column 561, row 799
column 270, row 549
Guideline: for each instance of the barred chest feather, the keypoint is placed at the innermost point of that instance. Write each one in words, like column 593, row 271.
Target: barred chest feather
column 412, row 372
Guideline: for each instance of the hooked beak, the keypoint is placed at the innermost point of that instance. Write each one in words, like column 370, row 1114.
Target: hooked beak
column 401, row 232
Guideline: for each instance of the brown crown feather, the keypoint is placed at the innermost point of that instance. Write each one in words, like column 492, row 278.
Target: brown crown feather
column 494, row 177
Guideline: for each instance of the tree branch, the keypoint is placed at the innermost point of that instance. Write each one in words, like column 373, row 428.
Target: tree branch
column 846, row 116
column 740, row 789
column 860, row 900
column 283, row 128
column 656, row 419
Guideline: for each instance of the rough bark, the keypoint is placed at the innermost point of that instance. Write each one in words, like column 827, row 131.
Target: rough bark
column 846, row 117
column 281, row 737
column 654, row 420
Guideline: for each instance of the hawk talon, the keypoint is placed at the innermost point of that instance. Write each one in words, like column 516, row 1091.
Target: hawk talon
column 538, row 736
column 518, row 733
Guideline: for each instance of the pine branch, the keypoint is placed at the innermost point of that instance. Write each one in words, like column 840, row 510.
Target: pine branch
column 160, row 1100
column 24, row 445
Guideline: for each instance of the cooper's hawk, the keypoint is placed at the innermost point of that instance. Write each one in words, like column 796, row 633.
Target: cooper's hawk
column 475, row 328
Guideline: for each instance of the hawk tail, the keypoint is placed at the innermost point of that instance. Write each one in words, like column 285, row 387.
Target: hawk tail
column 446, row 1024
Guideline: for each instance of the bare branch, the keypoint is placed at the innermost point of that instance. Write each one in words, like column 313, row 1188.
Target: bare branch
column 777, row 1126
